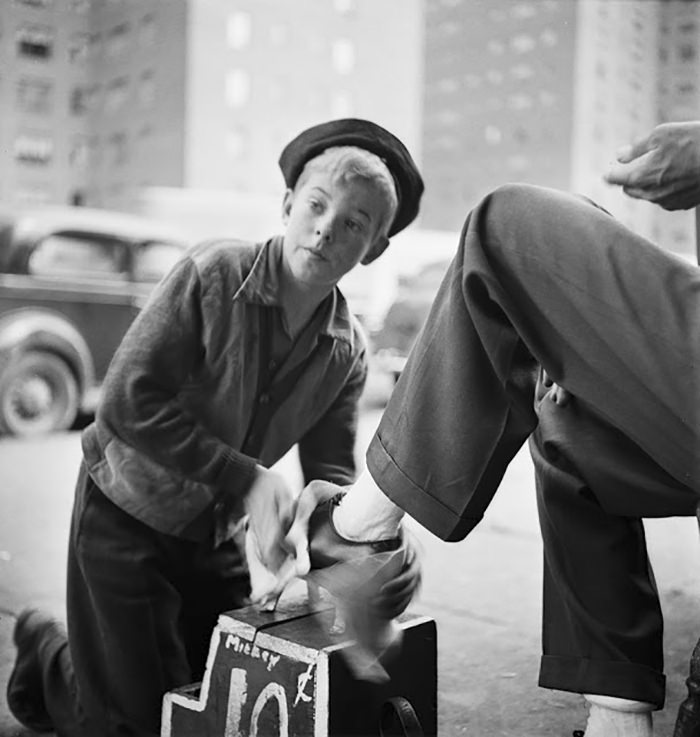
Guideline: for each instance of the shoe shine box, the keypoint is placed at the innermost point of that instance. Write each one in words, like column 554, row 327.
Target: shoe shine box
column 284, row 673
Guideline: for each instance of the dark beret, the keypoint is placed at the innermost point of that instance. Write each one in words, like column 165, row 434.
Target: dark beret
column 363, row 134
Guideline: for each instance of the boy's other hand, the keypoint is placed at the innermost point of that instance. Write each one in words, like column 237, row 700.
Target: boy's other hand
column 662, row 167
column 269, row 505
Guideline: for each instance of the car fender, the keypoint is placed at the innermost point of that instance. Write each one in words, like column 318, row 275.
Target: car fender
column 28, row 329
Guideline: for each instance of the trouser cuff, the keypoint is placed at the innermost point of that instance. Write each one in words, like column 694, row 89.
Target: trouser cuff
column 607, row 677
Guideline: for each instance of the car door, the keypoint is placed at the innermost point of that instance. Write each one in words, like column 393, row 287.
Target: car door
column 85, row 277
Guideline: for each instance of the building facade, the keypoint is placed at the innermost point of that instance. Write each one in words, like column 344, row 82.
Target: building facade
column 103, row 98
column 498, row 100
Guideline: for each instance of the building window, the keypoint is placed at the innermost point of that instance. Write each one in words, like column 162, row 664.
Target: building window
column 239, row 29
column 523, row 10
column 522, row 71
column 78, row 48
column 147, row 88
column 147, row 30
column 80, row 6
column 549, row 37
column 237, row 88
column 494, row 76
column 35, row 42
column 117, row 39
column 341, row 105
column 472, row 81
column 343, row 56
column 34, row 95
column 496, row 47
column 115, row 93
column 687, row 52
column 522, row 43
column 34, row 149
column 94, row 45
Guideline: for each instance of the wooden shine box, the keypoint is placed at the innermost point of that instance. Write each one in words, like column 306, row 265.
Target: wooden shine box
column 283, row 674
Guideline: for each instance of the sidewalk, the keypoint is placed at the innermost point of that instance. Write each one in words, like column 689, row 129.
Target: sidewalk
column 484, row 594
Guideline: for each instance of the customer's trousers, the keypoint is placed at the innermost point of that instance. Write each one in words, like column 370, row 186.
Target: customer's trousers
column 543, row 279
column 141, row 610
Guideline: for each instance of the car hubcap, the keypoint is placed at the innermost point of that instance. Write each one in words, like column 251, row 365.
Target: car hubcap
column 32, row 397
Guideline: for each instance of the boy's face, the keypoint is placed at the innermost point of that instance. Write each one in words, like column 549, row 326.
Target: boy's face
column 332, row 223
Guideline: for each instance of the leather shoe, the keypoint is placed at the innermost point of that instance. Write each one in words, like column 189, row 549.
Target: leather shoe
column 25, row 687
column 328, row 547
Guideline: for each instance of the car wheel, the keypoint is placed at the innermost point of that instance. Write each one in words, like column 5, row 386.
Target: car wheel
column 38, row 394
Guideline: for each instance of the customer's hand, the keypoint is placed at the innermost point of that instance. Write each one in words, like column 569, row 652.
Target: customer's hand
column 662, row 167
column 556, row 393
column 269, row 505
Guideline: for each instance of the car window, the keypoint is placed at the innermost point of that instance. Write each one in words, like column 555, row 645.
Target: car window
column 79, row 254
column 154, row 259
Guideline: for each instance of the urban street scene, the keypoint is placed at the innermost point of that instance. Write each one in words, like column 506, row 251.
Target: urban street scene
column 348, row 368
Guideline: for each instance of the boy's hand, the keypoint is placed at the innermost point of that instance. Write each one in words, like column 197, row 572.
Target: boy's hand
column 663, row 167
column 269, row 505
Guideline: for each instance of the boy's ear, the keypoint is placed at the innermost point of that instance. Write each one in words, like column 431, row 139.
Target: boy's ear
column 287, row 205
column 377, row 249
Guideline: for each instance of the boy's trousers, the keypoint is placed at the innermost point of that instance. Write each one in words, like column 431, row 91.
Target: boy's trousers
column 546, row 279
column 141, row 610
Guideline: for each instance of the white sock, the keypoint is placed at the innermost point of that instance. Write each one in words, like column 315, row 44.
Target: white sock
column 611, row 716
column 366, row 513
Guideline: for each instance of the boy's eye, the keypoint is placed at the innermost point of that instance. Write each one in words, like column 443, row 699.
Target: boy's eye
column 354, row 225
column 315, row 205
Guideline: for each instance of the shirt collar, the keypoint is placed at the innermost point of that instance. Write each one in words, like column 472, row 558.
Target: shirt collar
column 261, row 286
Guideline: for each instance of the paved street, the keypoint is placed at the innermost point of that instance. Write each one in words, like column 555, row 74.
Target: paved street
column 483, row 592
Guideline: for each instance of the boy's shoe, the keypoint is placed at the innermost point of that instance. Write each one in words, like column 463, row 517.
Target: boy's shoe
column 25, row 687
column 328, row 547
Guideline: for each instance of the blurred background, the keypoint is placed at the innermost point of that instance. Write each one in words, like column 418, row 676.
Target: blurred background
column 178, row 109
column 167, row 117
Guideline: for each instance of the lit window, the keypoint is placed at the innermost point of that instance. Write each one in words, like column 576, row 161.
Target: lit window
column 523, row 10
column 522, row 43
column 492, row 135
column 549, row 37
column 147, row 88
column 448, row 85
column 520, row 102
column 517, row 162
column 34, row 42
column 34, row 95
column 115, row 93
column 494, row 76
column 33, row 148
column 117, row 39
column 238, row 30
column 496, row 47
column 344, row 6
column 237, row 88
column 343, row 56
column 522, row 71
column 341, row 105
column 147, row 30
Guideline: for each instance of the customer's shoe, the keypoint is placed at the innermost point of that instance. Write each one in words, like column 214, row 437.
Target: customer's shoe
column 328, row 547
column 25, row 688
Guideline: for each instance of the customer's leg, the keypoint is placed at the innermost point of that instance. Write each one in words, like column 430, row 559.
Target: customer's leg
column 546, row 278
column 602, row 624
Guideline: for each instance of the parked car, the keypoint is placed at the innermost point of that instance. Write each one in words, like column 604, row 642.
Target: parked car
column 71, row 282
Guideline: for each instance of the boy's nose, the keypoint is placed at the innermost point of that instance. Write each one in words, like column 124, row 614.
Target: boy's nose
column 324, row 230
